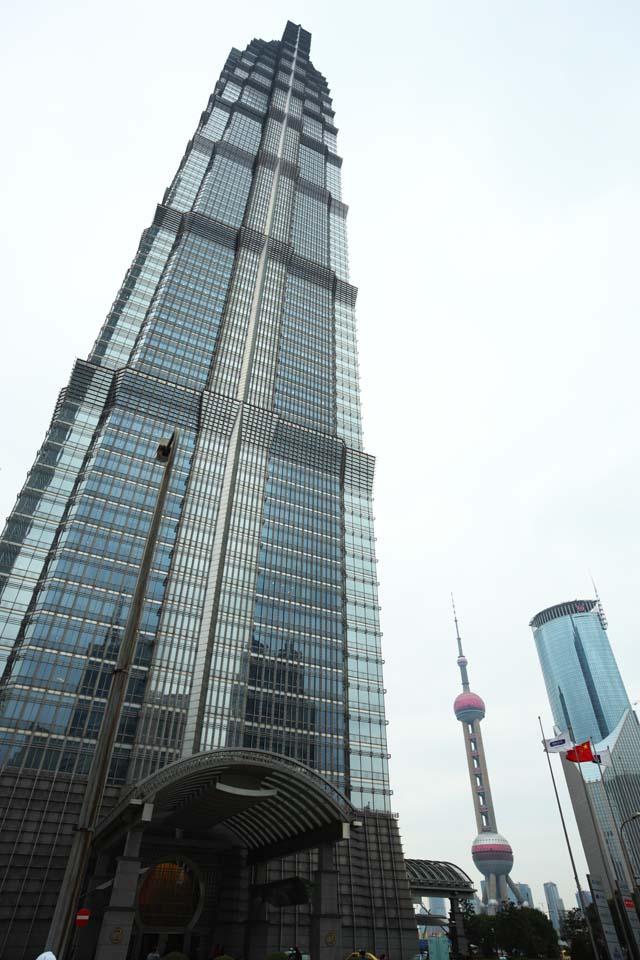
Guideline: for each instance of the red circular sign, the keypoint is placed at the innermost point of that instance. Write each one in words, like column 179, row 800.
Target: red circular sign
column 82, row 917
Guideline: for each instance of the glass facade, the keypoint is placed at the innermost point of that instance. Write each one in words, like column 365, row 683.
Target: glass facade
column 555, row 906
column 583, row 682
column 615, row 795
column 587, row 695
column 234, row 324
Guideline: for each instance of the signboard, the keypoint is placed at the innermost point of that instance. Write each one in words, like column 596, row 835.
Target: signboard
column 82, row 917
column 602, row 906
column 632, row 916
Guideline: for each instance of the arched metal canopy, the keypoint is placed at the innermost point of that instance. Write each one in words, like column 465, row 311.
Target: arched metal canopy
column 438, row 878
column 273, row 805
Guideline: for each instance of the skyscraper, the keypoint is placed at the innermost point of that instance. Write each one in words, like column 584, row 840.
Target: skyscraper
column 581, row 675
column 588, row 697
column 234, row 327
column 555, row 906
column 525, row 893
column 492, row 853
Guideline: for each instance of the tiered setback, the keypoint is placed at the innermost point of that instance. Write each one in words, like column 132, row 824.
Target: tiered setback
column 235, row 325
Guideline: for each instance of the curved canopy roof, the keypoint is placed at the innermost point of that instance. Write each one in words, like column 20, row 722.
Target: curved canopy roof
column 437, row 878
column 273, row 805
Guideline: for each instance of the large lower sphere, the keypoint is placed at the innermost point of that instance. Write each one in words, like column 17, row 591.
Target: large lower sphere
column 468, row 707
column 492, row 854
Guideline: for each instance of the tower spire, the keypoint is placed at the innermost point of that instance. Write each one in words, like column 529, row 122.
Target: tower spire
column 462, row 660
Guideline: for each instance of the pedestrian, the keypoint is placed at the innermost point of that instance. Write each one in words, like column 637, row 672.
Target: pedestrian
column 154, row 953
column 296, row 953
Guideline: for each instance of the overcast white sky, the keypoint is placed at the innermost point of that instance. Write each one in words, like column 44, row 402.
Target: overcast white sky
column 492, row 158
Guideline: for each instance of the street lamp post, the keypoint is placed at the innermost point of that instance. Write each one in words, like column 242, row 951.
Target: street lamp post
column 61, row 927
column 625, row 853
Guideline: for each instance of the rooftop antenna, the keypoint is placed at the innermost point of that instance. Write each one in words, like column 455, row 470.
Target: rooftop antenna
column 601, row 614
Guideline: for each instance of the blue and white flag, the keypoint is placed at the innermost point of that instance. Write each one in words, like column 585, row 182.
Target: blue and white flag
column 603, row 758
column 559, row 744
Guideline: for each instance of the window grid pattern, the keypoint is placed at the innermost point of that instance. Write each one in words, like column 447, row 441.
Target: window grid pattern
column 55, row 695
column 255, row 98
column 244, row 133
column 180, row 334
column 334, row 181
column 259, row 200
column 305, row 382
column 310, row 233
column 265, row 361
column 164, row 712
column 224, row 192
column 285, row 651
column 338, row 238
column 31, row 528
column 349, row 424
column 187, row 181
column 294, row 703
column 281, row 228
column 369, row 774
column 122, row 326
column 225, row 695
column 215, row 124
column 231, row 92
column 312, row 165
column 225, row 374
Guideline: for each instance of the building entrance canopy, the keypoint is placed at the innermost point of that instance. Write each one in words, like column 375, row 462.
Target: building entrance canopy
column 437, row 878
column 272, row 805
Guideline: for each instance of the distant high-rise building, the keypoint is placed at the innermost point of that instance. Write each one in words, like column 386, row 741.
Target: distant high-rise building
column 438, row 906
column 588, row 699
column 525, row 891
column 586, row 898
column 491, row 852
column 257, row 677
column 555, row 906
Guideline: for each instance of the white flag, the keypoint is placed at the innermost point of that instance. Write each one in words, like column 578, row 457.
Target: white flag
column 603, row 758
column 559, row 744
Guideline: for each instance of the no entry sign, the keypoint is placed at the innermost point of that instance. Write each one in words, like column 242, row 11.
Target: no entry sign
column 82, row 917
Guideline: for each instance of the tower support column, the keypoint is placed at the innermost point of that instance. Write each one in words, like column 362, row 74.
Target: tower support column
column 117, row 923
column 326, row 923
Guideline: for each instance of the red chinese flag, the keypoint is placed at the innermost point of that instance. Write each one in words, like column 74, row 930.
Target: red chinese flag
column 581, row 753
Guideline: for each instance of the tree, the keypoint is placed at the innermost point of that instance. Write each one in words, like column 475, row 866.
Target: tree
column 576, row 932
column 527, row 932
column 519, row 931
column 480, row 929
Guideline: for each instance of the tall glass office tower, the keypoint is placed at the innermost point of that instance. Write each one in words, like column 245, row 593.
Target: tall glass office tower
column 235, row 326
column 587, row 696
column 580, row 672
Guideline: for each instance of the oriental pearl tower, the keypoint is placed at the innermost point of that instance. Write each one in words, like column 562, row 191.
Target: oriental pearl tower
column 491, row 852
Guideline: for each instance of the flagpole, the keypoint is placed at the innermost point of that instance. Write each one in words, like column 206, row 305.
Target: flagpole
column 583, row 903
